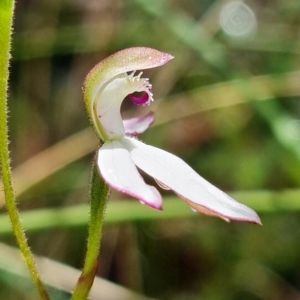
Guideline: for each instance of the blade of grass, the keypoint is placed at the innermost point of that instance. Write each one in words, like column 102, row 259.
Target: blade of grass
column 62, row 277
column 215, row 55
column 131, row 211
column 53, row 159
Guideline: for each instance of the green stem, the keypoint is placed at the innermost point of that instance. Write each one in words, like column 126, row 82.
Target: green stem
column 6, row 16
column 99, row 196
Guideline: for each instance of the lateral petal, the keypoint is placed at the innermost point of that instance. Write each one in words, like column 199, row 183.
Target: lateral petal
column 119, row 172
column 174, row 173
column 136, row 126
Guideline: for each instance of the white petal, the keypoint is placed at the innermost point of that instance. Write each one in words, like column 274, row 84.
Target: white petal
column 174, row 173
column 119, row 172
column 136, row 126
column 108, row 104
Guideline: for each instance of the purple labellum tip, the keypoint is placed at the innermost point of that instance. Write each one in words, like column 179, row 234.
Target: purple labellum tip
column 143, row 100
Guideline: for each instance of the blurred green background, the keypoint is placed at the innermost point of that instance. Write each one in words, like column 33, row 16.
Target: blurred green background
column 228, row 104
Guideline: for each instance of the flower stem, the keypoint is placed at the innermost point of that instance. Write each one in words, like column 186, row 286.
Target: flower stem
column 99, row 195
column 6, row 16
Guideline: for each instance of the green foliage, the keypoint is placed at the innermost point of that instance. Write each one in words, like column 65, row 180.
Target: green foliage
column 230, row 109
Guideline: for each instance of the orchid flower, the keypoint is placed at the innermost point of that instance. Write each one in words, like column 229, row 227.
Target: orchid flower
column 105, row 87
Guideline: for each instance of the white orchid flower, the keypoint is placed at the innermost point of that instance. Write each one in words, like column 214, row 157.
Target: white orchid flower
column 121, row 153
